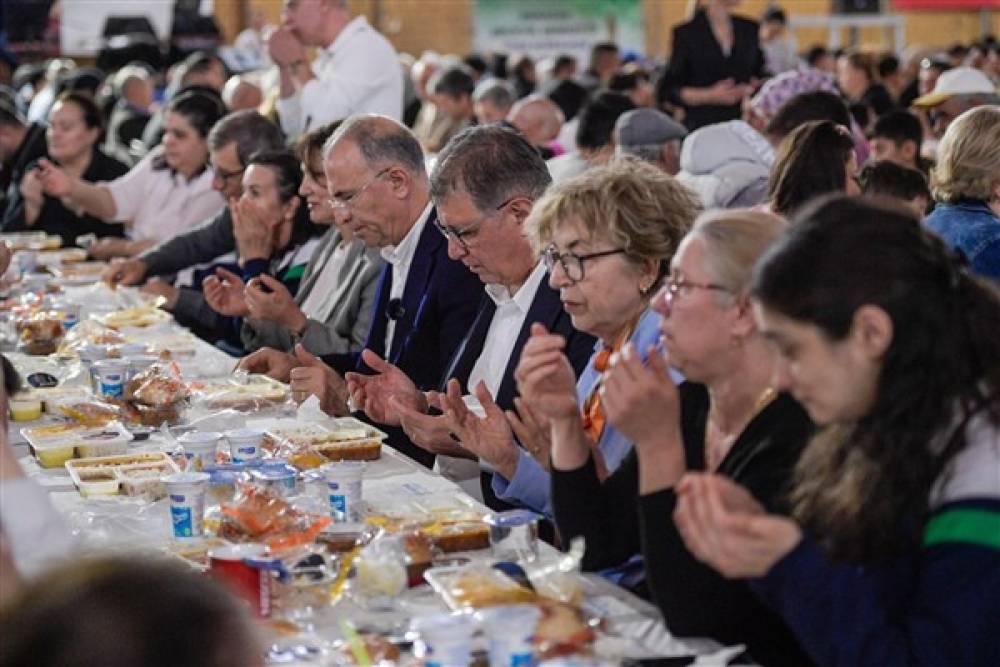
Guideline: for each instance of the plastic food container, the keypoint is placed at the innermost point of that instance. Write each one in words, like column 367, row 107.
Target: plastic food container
column 187, row 491
column 110, row 377
column 106, row 442
column 244, row 444
column 344, row 489
column 53, row 453
column 200, row 448
column 445, row 639
column 24, row 409
column 514, row 535
column 509, row 631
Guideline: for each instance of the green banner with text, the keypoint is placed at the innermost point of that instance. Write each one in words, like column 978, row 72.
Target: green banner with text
column 543, row 28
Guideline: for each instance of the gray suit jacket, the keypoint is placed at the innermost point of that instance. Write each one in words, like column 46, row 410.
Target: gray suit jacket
column 346, row 327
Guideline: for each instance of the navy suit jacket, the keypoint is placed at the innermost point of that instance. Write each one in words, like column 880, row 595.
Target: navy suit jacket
column 439, row 304
column 546, row 308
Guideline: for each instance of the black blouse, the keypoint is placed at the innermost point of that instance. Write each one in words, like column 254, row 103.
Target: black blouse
column 55, row 218
column 694, row 599
column 697, row 61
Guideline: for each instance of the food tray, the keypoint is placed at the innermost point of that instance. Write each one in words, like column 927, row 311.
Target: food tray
column 65, row 256
column 476, row 586
column 79, row 273
column 343, row 439
column 31, row 241
column 55, row 444
column 139, row 318
column 249, row 393
column 106, row 475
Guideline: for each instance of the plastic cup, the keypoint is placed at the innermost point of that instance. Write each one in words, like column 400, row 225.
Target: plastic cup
column 186, row 491
column 200, row 448
column 71, row 314
column 445, row 639
column 133, row 350
column 244, row 444
column 137, row 363
column 508, row 633
column 279, row 478
column 238, row 567
column 514, row 535
column 27, row 260
column 110, row 377
column 90, row 353
column 343, row 486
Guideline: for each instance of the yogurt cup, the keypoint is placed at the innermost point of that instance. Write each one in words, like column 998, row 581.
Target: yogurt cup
column 280, row 479
column 137, row 363
column 92, row 352
column 71, row 314
column 509, row 631
column 445, row 639
column 343, row 488
column 200, row 448
column 244, row 444
column 187, row 491
column 110, row 377
column 132, row 350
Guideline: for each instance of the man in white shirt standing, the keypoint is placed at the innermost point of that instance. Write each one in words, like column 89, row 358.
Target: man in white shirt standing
column 356, row 69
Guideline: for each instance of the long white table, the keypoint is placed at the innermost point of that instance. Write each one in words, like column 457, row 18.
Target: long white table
column 633, row 627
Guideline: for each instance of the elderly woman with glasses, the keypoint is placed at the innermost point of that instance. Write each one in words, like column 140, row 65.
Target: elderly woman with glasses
column 607, row 237
column 725, row 418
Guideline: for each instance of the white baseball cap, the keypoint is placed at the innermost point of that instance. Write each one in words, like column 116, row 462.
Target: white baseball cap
column 957, row 81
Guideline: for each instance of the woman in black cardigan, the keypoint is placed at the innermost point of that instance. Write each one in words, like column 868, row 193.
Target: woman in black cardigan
column 716, row 62
column 734, row 424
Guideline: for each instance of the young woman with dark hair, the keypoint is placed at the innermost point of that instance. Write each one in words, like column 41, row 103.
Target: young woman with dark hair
column 816, row 158
column 893, row 556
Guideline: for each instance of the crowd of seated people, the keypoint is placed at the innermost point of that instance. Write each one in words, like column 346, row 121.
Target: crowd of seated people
column 733, row 317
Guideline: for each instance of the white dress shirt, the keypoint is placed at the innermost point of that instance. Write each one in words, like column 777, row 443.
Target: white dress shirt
column 401, row 257
column 358, row 72
column 489, row 368
column 160, row 203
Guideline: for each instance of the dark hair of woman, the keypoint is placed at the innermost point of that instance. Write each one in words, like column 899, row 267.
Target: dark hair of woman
column 811, row 161
column 856, row 480
column 287, row 178
column 88, row 108
column 201, row 108
column 310, row 146
column 121, row 613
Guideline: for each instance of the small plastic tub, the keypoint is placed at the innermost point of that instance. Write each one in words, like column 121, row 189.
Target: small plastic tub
column 200, row 448
column 25, row 408
column 244, row 444
column 107, row 442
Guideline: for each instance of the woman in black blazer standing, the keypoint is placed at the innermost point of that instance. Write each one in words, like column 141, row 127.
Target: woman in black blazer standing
column 716, row 62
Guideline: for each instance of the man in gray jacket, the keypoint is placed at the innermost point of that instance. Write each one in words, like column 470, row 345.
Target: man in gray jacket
column 230, row 144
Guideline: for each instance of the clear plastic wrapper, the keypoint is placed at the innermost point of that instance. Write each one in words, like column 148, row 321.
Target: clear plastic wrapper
column 242, row 392
column 258, row 515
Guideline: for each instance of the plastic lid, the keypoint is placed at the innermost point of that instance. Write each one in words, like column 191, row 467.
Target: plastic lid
column 447, row 625
column 271, row 475
column 187, row 478
column 241, row 433
column 512, row 518
column 199, row 437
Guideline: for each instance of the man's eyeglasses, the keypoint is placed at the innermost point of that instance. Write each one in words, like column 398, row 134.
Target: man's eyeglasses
column 680, row 286
column 343, row 202
column 462, row 236
column 225, row 176
column 571, row 263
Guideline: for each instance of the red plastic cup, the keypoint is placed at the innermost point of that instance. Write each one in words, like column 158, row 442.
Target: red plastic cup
column 234, row 566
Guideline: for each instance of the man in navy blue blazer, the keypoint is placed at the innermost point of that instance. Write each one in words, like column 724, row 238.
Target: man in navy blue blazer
column 426, row 301
column 484, row 185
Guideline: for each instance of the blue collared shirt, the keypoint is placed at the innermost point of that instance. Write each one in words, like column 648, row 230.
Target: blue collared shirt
column 531, row 485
